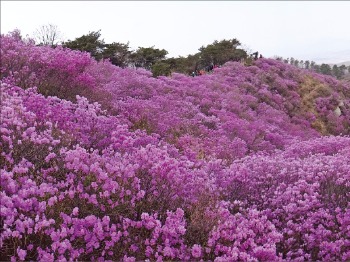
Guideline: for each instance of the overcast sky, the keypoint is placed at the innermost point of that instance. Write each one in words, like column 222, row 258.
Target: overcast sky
column 316, row 30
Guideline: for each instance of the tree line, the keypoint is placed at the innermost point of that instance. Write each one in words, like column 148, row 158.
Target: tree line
column 155, row 60
column 150, row 58
column 337, row 71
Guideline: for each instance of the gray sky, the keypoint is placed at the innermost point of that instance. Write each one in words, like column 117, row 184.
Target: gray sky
column 317, row 30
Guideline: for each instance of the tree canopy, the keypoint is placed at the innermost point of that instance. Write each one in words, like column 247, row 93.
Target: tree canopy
column 89, row 43
column 117, row 53
column 221, row 52
column 146, row 57
column 154, row 59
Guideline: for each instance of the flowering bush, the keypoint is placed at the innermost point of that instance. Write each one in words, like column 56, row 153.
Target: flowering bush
column 110, row 164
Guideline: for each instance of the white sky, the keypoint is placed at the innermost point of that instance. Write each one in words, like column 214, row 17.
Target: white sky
column 305, row 30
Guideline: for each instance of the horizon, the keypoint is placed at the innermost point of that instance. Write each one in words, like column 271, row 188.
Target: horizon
column 271, row 28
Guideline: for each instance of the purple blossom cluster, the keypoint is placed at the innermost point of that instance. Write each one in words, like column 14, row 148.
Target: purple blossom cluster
column 109, row 164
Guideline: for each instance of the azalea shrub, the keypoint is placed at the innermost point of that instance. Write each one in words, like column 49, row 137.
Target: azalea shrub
column 249, row 163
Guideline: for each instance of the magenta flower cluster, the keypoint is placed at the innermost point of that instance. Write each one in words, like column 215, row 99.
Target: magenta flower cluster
column 250, row 163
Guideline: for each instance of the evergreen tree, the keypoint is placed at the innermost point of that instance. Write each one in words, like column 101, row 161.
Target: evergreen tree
column 117, row 53
column 307, row 64
column 146, row 57
column 325, row 69
column 89, row 43
column 221, row 52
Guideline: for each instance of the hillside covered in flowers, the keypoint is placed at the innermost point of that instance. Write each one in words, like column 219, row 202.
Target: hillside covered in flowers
column 249, row 163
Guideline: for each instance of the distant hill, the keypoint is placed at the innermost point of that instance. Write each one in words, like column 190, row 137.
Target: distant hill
column 347, row 63
column 333, row 57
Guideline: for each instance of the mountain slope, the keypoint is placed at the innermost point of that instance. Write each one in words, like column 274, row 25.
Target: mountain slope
column 103, row 163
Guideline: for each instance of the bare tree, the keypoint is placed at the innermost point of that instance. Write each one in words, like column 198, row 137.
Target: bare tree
column 48, row 35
